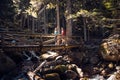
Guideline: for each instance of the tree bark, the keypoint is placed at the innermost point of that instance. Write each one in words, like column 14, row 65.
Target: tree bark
column 85, row 30
column 68, row 19
column 45, row 26
column 58, row 16
column 33, row 25
column 28, row 22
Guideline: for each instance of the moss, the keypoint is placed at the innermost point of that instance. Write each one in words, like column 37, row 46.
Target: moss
column 61, row 68
column 107, row 52
column 103, row 49
column 52, row 76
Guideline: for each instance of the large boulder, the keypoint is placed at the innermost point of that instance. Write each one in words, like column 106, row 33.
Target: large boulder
column 110, row 48
column 77, row 57
column 49, row 55
column 6, row 63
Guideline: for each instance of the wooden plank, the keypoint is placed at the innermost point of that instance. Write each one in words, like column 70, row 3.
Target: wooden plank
column 37, row 47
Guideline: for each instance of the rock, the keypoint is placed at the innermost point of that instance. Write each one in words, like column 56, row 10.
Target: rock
column 52, row 76
column 103, row 72
column 94, row 60
column 6, row 63
column 77, row 57
column 118, row 68
column 97, row 77
column 115, row 76
column 61, row 68
column 110, row 65
column 33, row 76
column 75, row 68
column 96, row 70
column 110, row 49
column 112, row 77
column 17, row 57
column 50, row 55
column 71, row 74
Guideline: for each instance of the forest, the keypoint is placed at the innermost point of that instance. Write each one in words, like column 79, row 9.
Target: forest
column 59, row 39
column 95, row 16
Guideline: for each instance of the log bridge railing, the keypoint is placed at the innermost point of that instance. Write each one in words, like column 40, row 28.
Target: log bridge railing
column 20, row 46
column 38, row 47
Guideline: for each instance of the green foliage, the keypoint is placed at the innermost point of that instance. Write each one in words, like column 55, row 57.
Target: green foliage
column 6, row 9
column 7, row 12
column 52, row 76
column 97, row 12
column 61, row 68
column 108, row 5
column 24, row 4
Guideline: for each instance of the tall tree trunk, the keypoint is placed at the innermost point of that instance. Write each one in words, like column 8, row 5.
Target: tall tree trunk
column 45, row 26
column 21, row 22
column 33, row 25
column 58, row 16
column 28, row 22
column 68, row 19
column 85, row 30
column 84, row 21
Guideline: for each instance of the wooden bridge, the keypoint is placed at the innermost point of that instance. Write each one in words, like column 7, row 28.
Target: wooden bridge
column 25, row 42
column 38, row 47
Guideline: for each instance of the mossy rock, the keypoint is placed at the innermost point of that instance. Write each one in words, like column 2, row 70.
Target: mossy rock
column 110, row 52
column 6, row 63
column 61, row 68
column 52, row 76
column 17, row 57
